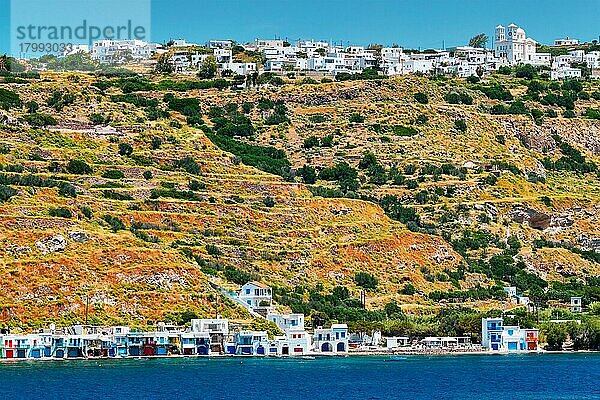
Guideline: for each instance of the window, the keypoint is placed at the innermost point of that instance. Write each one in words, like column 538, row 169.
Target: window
column 247, row 291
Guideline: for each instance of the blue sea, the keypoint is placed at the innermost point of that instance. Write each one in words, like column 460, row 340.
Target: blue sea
column 521, row 377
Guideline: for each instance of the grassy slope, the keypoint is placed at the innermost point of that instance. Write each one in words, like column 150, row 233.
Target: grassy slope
column 301, row 240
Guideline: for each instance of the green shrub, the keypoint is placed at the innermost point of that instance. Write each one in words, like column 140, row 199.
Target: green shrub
column 125, row 149
column 421, row 98
column 9, row 99
column 67, row 190
column 113, row 195
column 356, row 118
column 213, row 250
column 147, row 174
column 461, row 125
column 6, row 192
column 408, row 290
column 401, row 130
column 39, row 120
column 113, row 174
column 189, row 165
column 86, row 211
column 79, row 167
column 196, row 185
column 269, row 202
column 61, row 213
column 366, row 280
column 114, row 222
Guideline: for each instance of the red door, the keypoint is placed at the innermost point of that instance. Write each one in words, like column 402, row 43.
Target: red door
column 9, row 354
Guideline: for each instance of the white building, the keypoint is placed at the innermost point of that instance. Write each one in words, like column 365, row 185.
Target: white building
column 576, row 304
column 331, row 340
column 513, row 45
column 495, row 336
column 250, row 343
column 566, row 42
column 217, row 330
column 295, row 341
column 120, row 51
column 219, row 44
column 559, row 73
column 256, row 295
column 394, row 342
column 76, row 48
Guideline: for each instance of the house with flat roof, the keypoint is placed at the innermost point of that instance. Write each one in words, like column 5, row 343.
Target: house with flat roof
column 331, row 340
column 256, row 295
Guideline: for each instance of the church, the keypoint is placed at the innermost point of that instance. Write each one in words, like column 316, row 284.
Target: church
column 513, row 46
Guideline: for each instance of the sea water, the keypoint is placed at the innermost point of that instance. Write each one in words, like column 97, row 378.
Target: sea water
column 521, row 377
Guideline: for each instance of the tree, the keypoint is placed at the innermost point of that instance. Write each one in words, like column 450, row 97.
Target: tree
column 79, row 167
column 366, row 280
column 478, row 40
column 163, row 66
column 421, row 98
column 556, row 334
column 208, row 68
column 125, row 149
column 461, row 125
column 308, row 174
column 269, row 202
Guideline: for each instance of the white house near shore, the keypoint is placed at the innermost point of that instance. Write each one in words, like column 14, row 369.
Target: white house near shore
column 256, row 295
column 331, row 340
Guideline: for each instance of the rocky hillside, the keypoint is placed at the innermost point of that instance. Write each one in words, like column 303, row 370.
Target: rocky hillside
column 137, row 217
column 139, row 196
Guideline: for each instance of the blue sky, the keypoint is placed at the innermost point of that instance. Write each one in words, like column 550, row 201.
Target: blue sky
column 415, row 23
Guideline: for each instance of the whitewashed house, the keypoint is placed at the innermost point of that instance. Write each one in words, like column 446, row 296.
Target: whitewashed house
column 576, row 304
column 394, row 342
column 566, row 42
column 559, row 73
column 219, row 44
column 331, row 340
column 497, row 337
column 249, row 343
column 295, row 341
column 217, row 330
column 119, row 51
column 256, row 295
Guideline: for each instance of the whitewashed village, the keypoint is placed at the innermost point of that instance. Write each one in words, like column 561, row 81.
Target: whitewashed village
column 219, row 337
column 510, row 46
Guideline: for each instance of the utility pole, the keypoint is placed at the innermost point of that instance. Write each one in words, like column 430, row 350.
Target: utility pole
column 87, row 306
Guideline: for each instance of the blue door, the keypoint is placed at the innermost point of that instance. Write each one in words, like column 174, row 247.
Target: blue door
column 260, row 350
column 512, row 346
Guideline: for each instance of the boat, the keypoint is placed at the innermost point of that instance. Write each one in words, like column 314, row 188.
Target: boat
column 309, row 357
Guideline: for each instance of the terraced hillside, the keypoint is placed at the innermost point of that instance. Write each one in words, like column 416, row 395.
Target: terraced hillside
column 137, row 220
column 140, row 196
column 485, row 164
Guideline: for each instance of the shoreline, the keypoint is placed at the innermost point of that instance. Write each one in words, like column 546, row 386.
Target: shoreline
column 305, row 357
